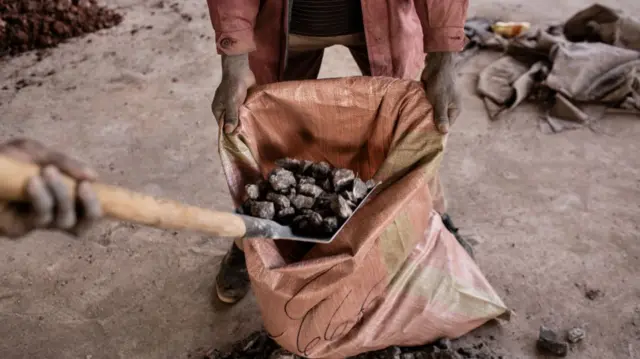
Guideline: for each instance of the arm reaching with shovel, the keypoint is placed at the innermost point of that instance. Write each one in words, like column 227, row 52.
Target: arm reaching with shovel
column 50, row 206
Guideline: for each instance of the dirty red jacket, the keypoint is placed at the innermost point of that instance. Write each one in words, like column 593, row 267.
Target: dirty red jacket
column 393, row 29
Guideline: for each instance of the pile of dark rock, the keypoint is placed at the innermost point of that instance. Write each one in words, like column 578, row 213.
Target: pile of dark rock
column 314, row 198
column 36, row 24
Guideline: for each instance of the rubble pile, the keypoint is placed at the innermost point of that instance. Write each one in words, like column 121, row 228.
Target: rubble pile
column 37, row 24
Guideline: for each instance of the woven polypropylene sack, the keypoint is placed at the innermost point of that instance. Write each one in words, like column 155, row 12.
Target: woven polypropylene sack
column 394, row 275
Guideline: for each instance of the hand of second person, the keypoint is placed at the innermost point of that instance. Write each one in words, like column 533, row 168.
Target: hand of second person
column 237, row 78
column 50, row 204
column 438, row 78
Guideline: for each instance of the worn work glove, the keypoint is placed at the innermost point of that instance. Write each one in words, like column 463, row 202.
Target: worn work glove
column 438, row 78
column 50, row 205
column 237, row 78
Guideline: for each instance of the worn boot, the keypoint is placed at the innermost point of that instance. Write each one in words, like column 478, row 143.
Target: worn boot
column 232, row 283
column 454, row 230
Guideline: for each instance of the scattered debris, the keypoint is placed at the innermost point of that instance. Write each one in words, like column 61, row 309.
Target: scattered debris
column 136, row 29
column 22, row 84
column 257, row 346
column 282, row 354
column 575, row 335
column 260, row 346
column 593, row 294
column 549, row 342
column 312, row 197
column 37, row 24
column 175, row 7
column 443, row 344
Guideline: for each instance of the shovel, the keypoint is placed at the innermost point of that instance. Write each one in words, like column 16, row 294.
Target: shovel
column 124, row 205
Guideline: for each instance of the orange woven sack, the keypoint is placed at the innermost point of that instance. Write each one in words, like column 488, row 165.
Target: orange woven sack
column 394, row 275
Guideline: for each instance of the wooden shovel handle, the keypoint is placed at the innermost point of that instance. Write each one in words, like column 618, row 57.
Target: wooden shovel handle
column 119, row 203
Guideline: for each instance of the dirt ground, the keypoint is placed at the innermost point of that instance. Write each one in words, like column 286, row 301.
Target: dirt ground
column 554, row 215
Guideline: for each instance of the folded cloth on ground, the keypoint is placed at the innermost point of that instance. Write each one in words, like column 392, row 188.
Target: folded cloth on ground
column 604, row 68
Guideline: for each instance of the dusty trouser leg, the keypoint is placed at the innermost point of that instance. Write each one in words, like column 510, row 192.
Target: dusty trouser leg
column 361, row 57
column 232, row 282
column 303, row 65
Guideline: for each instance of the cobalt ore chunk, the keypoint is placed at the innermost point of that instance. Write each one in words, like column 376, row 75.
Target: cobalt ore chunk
column 324, row 201
column 281, row 180
column 549, row 342
column 279, row 200
column 443, row 344
column 253, row 191
column 301, row 201
column 370, row 184
column 285, row 215
column 292, row 194
column 360, row 189
column 306, row 180
column 262, row 209
column 352, row 205
column 307, row 223
column 330, row 225
column 575, row 335
column 342, row 179
column 320, row 170
column 348, row 195
column 246, row 207
column 315, row 219
column 301, row 223
column 310, row 190
column 327, row 185
column 289, row 164
column 340, row 207
column 306, row 167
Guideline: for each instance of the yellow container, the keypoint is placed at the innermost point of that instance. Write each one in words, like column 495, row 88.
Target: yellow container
column 510, row 29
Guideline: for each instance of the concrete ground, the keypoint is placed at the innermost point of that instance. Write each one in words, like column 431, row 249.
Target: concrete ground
column 555, row 215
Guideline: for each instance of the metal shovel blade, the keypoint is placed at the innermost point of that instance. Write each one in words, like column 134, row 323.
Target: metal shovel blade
column 264, row 228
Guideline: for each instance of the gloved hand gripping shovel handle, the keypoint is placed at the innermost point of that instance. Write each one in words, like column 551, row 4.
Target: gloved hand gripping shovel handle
column 122, row 204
